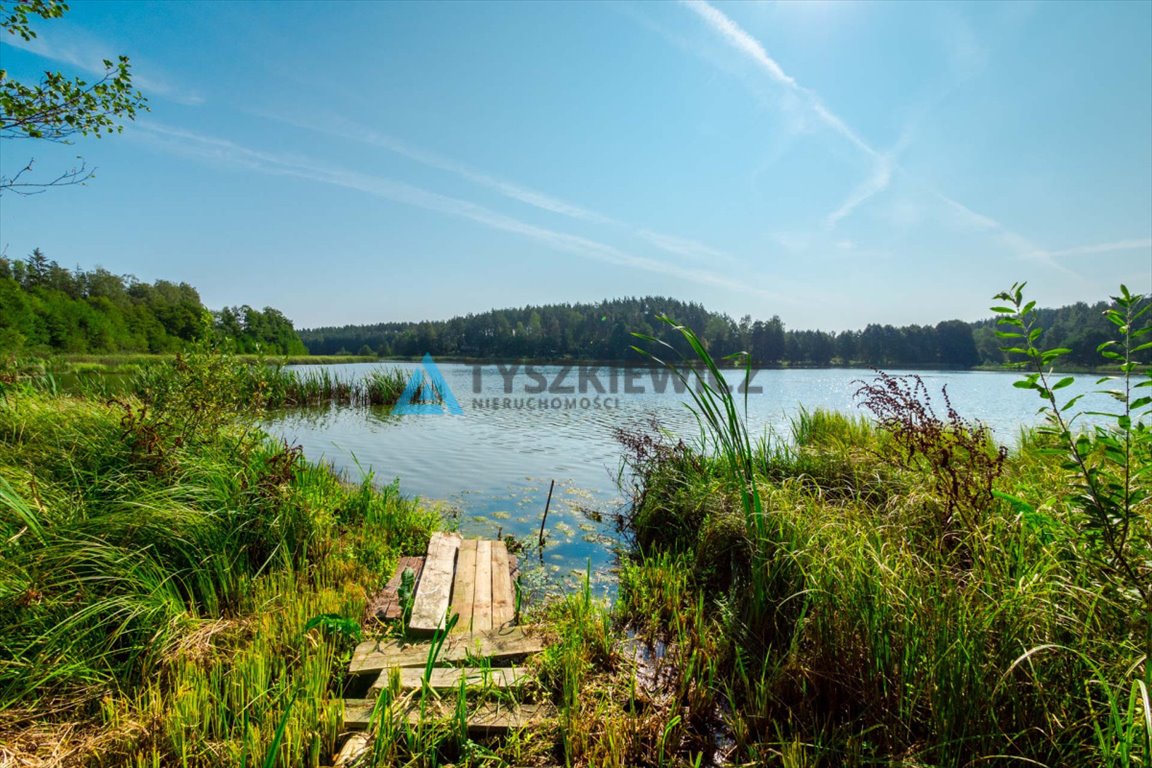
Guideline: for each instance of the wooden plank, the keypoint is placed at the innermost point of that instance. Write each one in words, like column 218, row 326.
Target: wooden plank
column 356, row 746
column 448, row 678
column 488, row 717
column 432, row 596
column 492, row 716
column 503, row 599
column 482, row 602
column 358, row 714
column 464, row 586
column 374, row 656
column 385, row 604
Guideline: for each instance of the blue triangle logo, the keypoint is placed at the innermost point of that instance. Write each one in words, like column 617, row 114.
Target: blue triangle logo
column 427, row 393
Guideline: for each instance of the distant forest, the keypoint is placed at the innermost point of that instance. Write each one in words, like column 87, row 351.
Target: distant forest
column 47, row 308
column 603, row 332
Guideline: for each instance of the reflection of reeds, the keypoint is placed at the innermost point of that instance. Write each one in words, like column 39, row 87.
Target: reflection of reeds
column 294, row 388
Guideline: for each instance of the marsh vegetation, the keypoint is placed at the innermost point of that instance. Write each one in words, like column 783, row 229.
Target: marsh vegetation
column 179, row 589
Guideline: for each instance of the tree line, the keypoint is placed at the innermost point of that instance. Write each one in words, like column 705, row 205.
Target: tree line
column 48, row 308
column 603, row 331
column 45, row 307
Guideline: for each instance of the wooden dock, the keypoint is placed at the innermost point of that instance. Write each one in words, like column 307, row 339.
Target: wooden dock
column 471, row 579
column 509, row 643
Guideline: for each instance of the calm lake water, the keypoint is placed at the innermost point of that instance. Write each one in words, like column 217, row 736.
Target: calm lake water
column 491, row 465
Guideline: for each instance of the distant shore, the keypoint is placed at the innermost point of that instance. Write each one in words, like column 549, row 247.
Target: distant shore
column 81, row 361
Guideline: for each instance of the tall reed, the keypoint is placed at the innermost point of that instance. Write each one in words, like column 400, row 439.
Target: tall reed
column 287, row 388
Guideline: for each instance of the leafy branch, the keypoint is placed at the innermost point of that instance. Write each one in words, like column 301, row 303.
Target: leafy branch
column 1111, row 461
column 59, row 107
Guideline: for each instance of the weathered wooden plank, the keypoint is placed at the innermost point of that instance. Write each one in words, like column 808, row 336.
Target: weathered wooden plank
column 432, row 596
column 464, row 585
column 374, row 656
column 356, row 745
column 358, row 714
column 448, row 678
column 493, row 716
column 385, row 604
column 503, row 599
column 482, row 601
column 488, row 717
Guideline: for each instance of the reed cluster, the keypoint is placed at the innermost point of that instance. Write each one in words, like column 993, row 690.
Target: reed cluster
column 262, row 379
column 287, row 388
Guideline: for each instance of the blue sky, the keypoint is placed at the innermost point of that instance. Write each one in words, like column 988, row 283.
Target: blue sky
column 833, row 163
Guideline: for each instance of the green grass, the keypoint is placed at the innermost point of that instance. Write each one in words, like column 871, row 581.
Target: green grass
column 873, row 643
column 177, row 589
column 159, row 573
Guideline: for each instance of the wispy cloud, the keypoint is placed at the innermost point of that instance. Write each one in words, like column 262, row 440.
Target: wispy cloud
column 968, row 55
column 739, row 39
column 742, row 41
column 89, row 57
column 885, row 163
column 883, row 168
column 228, row 152
column 875, row 184
column 683, row 246
column 1012, row 240
column 1099, row 248
column 336, row 126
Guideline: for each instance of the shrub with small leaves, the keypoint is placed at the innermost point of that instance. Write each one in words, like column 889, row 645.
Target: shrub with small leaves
column 1109, row 465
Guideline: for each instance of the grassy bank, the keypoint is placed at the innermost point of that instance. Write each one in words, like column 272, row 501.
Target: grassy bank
column 67, row 362
column 863, row 626
column 897, row 592
column 268, row 383
column 176, row 588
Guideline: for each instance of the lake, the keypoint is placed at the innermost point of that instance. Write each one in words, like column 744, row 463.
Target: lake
column 491, row 465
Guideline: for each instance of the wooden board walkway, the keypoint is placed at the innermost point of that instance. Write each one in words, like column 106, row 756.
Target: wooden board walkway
column 484, row 718
column 434, row 590
column 448, row 678
column 373, row 656
column 473, row 579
